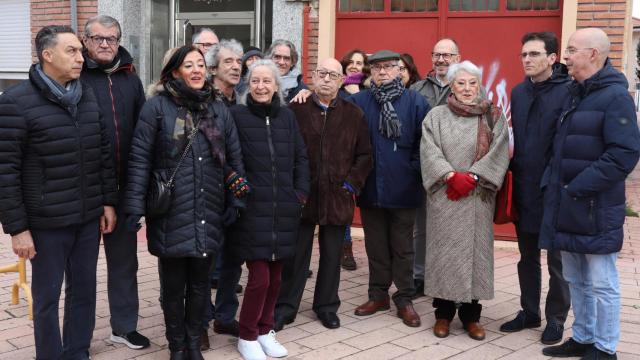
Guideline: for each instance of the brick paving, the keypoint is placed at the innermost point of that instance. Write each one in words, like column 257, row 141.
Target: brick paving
column 379, row 336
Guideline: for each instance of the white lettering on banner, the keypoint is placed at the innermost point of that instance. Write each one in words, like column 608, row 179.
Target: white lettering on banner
column 502, row 100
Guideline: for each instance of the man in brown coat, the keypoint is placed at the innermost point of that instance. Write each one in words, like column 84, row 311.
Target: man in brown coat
column 337, row 138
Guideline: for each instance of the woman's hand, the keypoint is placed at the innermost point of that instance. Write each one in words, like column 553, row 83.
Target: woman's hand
column 459, row 185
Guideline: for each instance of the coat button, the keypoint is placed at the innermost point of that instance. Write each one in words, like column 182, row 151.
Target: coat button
column 201, row 190
column 204, row 254
column 202, row 221
column 199, row 158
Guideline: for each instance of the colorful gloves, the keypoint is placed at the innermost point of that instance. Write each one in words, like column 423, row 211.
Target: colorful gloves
column 238, row 185
column 460, row 185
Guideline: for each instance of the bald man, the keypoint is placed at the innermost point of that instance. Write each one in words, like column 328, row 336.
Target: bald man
column 339, row 149
column 597, row 145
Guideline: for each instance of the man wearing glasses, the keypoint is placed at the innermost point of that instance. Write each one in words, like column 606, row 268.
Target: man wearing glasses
column 393, row 190
column 108, row 69
column 597, row 145
column 283, row 53
column 337, row 139
column 204, row 39
column 536, row 105
column 435, row 89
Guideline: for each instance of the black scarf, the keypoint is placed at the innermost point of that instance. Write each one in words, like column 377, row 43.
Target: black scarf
column 389, row 124
column 263, row 110
column 68, row 97
column 195, row 108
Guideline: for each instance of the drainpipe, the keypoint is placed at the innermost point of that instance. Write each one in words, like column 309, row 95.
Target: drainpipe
column 305, row 42
column 74, row 15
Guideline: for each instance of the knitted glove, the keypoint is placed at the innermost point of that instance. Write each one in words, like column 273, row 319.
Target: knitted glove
column 238, row 185
column 302, row 197
column 460, row 184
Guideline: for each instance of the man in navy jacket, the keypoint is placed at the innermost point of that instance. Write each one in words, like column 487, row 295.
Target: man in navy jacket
column 393, row 190
column 597, row 145
column 536, row 104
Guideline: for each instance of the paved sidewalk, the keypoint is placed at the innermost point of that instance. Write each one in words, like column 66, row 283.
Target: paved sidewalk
column 380, row 336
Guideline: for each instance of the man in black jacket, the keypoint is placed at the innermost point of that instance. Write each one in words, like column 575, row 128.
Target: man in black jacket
column 57, row 190
column 536, row 104
column 109, row 70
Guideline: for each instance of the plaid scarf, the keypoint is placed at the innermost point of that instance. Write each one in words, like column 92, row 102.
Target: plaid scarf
column 389, row 124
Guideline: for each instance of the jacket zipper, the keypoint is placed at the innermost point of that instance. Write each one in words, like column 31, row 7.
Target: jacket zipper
column 82, row 185
column 117, row 128
column 274, row 189
column 591, row 203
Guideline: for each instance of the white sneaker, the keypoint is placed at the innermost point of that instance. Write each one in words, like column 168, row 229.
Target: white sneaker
column 251, row 350
column 271, row 346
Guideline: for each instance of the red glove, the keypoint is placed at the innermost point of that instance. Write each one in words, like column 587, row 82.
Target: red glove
column 459, row 185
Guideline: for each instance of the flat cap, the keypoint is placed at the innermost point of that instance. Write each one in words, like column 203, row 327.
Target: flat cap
column 383, row 55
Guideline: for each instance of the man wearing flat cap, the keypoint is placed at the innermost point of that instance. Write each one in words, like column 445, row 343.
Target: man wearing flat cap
column 393, row 190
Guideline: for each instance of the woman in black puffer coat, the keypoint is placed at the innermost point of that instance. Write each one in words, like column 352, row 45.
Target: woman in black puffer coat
column 186, row 238
column 276, row 165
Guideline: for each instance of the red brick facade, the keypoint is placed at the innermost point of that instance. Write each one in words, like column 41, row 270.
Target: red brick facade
column 312, row 45
column 47, row 12
column 610, row 15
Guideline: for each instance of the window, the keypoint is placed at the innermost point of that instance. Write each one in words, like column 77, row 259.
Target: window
column 15, row 42
column 361, row 5
column 414, row 5
column 533, row 4
column 474, row 5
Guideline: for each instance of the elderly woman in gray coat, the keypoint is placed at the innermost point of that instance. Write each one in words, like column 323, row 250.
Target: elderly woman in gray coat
column 464, row 156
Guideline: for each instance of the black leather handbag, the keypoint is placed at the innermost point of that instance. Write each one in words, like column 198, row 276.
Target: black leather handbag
column 160, row 192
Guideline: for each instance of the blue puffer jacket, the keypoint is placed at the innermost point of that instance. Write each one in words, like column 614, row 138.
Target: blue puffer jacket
column 535, row 110
column 395, row 180
column 596, row 146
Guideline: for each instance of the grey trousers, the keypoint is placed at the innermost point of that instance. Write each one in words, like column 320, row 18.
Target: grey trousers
column 420, row 241
column 388, row 240
column 120, row 248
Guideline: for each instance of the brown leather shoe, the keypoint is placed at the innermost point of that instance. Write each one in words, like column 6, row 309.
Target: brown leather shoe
column 441, row 328
column 372, row 307
column 409, row 316
column 204, row 341
column 475, row 330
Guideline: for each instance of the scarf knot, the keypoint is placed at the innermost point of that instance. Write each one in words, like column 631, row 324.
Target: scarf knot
column 389, row 124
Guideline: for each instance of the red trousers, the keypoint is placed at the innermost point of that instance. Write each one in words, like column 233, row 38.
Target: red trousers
column 260, row 296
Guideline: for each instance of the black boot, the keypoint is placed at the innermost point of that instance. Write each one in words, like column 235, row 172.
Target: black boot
column 195, row 305
column 178, row 355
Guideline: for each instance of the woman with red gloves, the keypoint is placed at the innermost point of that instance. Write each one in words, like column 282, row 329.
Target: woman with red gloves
column 464, row 156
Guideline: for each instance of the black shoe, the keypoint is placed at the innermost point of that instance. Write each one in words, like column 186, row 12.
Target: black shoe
column 279, row 322
column 552, row 333
column 194, row 354
column 179, row 355
column 309, row 274
column 569, row 348
column 214, row 284
column 597, row 354
column 232, row 328
column 133, row 340
column 329, row 320
column 519, row 323
column 419, row 286
column 238, row 289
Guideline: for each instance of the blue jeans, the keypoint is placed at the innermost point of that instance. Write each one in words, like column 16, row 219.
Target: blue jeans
column 595, row 297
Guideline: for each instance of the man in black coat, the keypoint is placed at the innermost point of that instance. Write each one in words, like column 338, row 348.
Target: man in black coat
column 536, row 104
column 57, row 190
column 108, row 69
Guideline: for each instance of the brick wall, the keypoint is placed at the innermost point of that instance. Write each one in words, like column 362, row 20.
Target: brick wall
column 312, row 38
column 52, row 12
column 609, row 15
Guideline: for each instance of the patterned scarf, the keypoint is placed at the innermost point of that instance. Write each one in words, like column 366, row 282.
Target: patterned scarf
column 389, row 124
column 195, row 111
column 69, row 96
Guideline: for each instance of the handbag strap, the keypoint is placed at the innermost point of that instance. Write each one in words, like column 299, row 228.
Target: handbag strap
column 191, row 136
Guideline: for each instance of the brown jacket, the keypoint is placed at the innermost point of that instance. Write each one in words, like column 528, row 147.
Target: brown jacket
column 339, row 151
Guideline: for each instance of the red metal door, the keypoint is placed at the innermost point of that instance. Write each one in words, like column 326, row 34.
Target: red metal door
column 488, row 33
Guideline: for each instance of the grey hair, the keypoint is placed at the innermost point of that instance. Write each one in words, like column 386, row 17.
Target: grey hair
column 104, row 20
column 211, row 57
column 278, row 42
column 274, row 71
column 466, row 66
column 196, row 35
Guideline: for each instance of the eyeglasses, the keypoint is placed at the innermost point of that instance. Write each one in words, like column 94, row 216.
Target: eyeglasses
column 386, row 67
column 531, row 54
column 332, row 75
column 97, row 39
column 572, row 50
column 205, row 45
column 446, row 56
column 280, row 58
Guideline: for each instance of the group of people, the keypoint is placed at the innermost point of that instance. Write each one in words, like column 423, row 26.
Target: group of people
column 232, row 159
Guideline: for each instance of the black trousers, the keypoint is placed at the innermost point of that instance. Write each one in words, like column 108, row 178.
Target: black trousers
column 294, row 273
column 185, row 282
column 467, row 312
column 121, row 251
column 389, row 243
column 530, row 277
column 69, row 253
